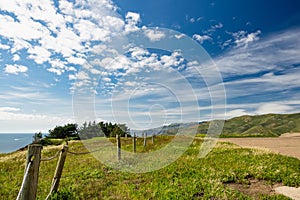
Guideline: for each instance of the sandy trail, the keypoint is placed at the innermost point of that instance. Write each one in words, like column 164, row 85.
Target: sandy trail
column 287, row 144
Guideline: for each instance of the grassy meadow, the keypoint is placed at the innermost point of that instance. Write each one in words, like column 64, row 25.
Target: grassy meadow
column 225, row 173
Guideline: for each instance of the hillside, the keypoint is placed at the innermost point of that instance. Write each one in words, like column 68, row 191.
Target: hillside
column 269, row 125
column 262, row 125
column 228, row 172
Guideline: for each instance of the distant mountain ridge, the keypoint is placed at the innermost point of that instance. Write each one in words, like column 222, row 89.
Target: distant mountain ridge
column 268, row 125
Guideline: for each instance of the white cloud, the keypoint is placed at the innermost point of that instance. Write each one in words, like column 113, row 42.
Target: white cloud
column 76, row 60
column 9, row 109
column 268, row 54
column 236, row 113
column 16, row 57
column 57, row 66
column 174, row 60
column 3, row 46
column 10, row 116
column 243, row 39
column 199, row 18
column 154, row 35
column 200, row 38
column 39, row 54
column 82, row 75
column 217, row 26
column 15, row 69
column 179, row 36
column 138, row 53
column 45, row 32
column 132, row 19
column 72, row 77
column 275, row 108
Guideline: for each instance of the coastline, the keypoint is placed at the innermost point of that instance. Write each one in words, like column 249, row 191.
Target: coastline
column 12, row 142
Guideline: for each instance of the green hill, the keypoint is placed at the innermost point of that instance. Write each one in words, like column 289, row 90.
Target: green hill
column 262, row 125
column 269, row 125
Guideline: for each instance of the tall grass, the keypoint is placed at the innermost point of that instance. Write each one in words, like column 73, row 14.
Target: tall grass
column 190, row 177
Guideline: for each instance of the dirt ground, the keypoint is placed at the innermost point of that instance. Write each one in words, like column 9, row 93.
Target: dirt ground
column 287, row 144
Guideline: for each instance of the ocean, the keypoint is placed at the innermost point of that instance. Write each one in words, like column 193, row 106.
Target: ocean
column 10, row 142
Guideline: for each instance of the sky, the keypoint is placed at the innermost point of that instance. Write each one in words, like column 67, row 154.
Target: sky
column 146, row 63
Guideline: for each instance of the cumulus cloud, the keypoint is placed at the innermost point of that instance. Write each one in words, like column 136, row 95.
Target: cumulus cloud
column 132, row 19
column 48, row 32
column 200, row 38
column 16, row 57
column 15, row 69
column 154, row 35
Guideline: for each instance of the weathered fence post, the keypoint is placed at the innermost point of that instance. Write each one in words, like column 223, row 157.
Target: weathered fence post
column 58, row 170
column 134, row 143
column 145, row 139
column 30, row 181
column 118, row 139
column 153, row 136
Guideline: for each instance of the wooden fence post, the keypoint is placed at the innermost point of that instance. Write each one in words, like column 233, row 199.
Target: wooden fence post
column 145, row 139
column 30, row 182
column 134, row 143
column 58, row 170
column 118, row 139
column 153, row 136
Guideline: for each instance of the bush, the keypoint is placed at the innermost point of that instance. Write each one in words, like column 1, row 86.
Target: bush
column 64, row 194
column 49, row 141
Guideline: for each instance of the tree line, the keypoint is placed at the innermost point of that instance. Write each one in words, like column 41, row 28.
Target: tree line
column 86, row 131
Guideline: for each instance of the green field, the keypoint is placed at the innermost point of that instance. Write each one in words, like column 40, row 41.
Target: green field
column 190, row 177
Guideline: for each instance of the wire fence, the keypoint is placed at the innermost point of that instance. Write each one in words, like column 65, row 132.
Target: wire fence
column 84, row 153
column 61, row 154
column 52, row 157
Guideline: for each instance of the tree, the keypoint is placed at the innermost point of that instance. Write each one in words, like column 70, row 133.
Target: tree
column 37, row 137
column 107, row 129
column 61, row 132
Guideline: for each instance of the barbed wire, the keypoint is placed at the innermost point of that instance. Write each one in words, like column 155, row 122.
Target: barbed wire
column 52, row 157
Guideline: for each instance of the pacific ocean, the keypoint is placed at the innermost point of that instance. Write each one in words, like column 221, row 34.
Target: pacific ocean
column 10, row 142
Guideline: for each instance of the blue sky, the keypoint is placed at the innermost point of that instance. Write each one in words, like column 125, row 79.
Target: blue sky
column 69, row 61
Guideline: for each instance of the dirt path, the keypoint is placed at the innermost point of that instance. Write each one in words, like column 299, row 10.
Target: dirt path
column 287, row 144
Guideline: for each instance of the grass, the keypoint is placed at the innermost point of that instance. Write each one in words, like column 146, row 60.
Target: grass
column 190, row 177
column 269, row 125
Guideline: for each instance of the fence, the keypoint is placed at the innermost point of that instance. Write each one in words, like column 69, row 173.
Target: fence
column 29, row 184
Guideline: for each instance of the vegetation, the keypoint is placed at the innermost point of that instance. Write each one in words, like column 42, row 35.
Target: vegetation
column 89, row 130
column 101, row 129
column 62, row 132
column 37, row 137
column 270, row 125
column 190, row 177
column 263, row 125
